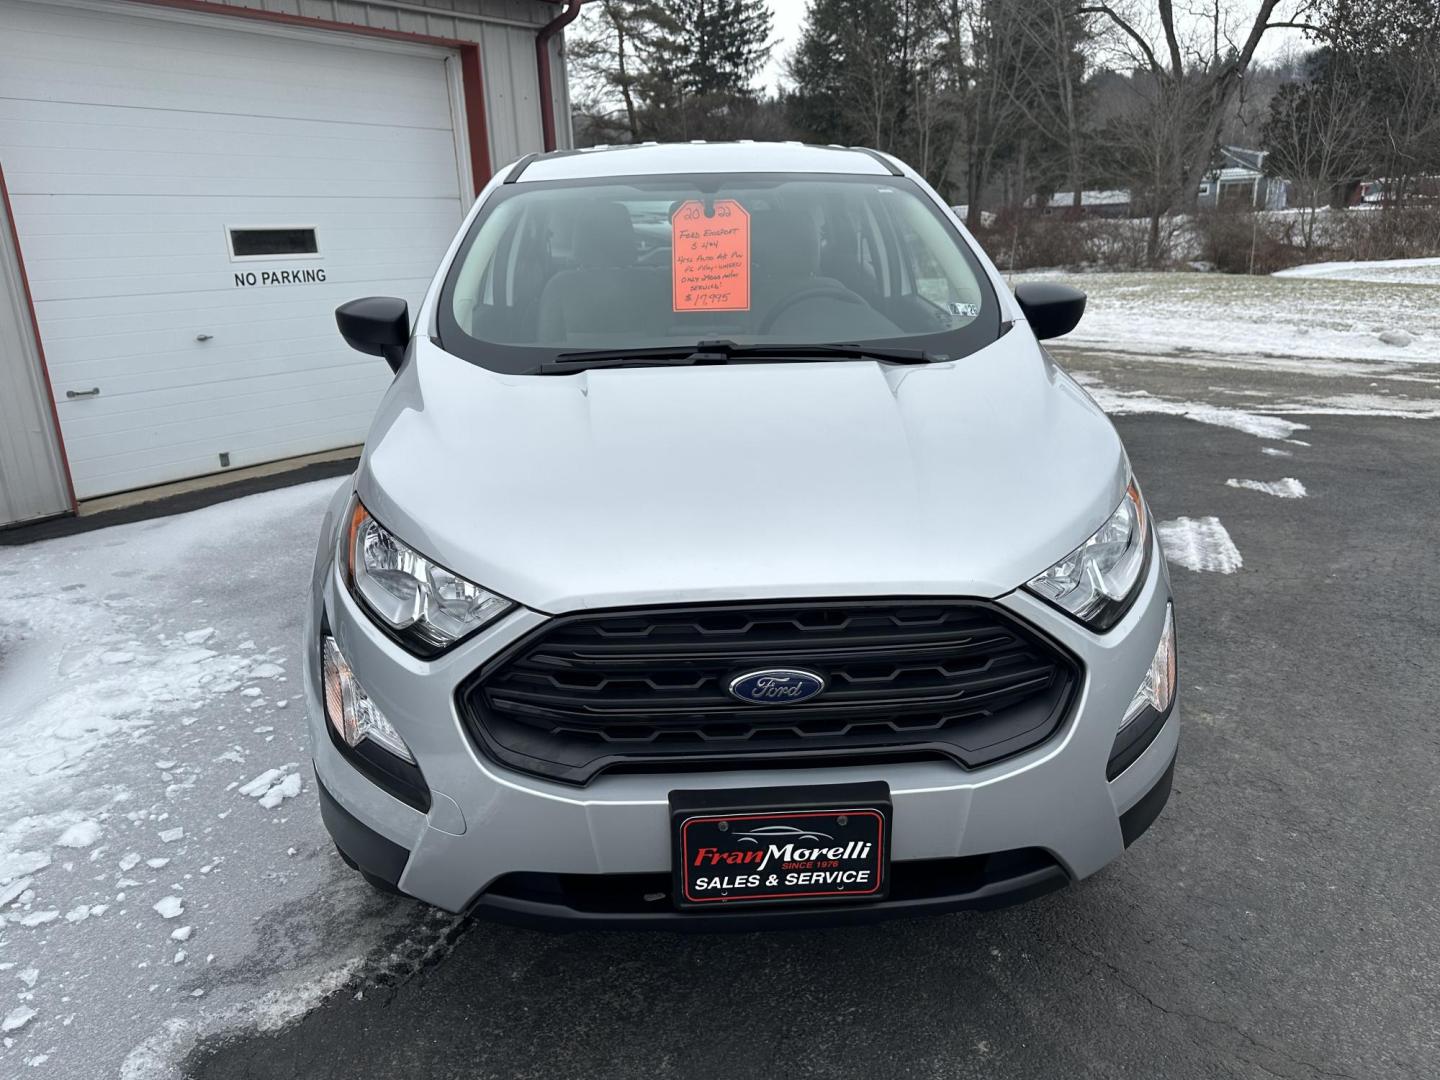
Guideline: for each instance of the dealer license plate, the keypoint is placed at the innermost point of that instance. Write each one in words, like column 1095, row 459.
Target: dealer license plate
column 779, row 845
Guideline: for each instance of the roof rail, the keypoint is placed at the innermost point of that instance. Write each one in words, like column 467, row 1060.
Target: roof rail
column 890, row 166
column 520, row 167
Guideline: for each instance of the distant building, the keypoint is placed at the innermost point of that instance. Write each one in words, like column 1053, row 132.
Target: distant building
column 1108, row 204
column 1238, row 180
column 1383, row 192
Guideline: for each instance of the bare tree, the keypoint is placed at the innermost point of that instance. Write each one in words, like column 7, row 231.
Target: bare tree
column 1316, row 136
column 1191, row 76
column 1047, row 87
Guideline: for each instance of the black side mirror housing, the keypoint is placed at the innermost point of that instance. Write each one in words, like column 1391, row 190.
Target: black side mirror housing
column 1050, row 308
column 376, row 326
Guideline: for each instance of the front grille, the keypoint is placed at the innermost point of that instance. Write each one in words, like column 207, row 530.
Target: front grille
column 637, row 689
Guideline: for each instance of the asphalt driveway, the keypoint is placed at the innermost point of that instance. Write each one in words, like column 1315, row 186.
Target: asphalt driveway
column 1280, row 919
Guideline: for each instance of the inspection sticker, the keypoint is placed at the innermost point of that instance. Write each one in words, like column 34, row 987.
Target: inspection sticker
column 711, row 256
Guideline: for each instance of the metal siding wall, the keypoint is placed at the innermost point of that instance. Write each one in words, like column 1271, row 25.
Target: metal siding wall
column 505, row 30
column 32, row 481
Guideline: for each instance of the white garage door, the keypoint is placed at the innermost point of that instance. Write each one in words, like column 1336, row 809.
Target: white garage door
column 193, row 198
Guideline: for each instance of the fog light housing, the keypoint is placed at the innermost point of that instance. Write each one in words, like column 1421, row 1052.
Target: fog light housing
column 1157, row 688
column 352, row 716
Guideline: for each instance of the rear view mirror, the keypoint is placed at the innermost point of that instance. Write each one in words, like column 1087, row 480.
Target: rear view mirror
column 1050, row 308
column 376, row 326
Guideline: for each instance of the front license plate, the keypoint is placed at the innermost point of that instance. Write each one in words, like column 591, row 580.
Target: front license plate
column 832, row 849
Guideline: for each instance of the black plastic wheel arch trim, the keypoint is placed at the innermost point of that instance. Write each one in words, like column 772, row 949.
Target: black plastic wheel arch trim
column 1142, row 815
column 360, row 845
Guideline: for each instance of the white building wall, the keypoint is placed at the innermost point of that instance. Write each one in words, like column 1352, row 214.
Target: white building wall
column 505, row 30
column 32, row 477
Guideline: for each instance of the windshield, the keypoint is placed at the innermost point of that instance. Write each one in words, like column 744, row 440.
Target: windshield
column 647, row 262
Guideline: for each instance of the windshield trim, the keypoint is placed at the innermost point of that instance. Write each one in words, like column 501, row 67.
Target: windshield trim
column 512, row 359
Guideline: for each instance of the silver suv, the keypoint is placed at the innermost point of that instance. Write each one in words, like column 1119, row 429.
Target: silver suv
column 728, row 553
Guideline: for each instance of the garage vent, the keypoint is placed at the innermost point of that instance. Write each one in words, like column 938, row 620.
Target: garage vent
column 272, row 243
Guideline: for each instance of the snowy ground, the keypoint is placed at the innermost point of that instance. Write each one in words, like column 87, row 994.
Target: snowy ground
column 1382, row 312
column 163, row 869
column 1397, row 271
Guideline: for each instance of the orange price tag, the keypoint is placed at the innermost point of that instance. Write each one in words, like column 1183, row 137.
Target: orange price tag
column 710, row 260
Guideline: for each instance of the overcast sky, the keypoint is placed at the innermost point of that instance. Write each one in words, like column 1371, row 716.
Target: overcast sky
column 789, row 17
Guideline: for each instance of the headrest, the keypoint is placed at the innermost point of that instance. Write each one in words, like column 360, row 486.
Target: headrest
column 605, row 236
column 784, row 244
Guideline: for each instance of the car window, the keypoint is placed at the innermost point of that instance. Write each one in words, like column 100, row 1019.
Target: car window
column 645, row 262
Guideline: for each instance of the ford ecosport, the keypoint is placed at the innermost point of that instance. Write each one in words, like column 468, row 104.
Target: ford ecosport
column 728, row 553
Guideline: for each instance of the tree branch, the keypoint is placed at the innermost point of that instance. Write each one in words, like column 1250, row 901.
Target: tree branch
column 1114, row 17
column 1167, row 21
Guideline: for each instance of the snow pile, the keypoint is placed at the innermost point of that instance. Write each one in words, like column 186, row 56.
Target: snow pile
column 274, row 786
column 1199, row 544
column 1286, row 488
column 80, row 835
column 1138, row 402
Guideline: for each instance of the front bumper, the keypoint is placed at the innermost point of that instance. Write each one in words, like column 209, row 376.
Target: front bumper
column 500, row 842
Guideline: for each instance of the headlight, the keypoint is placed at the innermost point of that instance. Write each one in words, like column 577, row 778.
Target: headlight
column 423, row 605
column 1157, row 689
column 1098, row 581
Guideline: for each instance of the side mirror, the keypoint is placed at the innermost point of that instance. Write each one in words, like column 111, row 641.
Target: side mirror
column 376, row 326
column 1050, row 308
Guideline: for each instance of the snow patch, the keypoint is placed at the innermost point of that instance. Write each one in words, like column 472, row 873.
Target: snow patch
column 1200, row 544
column 1139, row 402
column 16, row 864
column 285, row 789
column 154, row 1059
column 9, row 892
column 274, row 786
column 80, row 835
column 1287, row 488
column 1389, row 270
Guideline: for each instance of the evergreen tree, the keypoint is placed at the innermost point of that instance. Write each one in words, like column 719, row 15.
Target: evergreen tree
column 708, row 48
column 607, row 66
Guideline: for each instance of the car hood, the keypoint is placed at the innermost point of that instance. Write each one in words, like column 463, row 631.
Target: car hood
column 627, row 486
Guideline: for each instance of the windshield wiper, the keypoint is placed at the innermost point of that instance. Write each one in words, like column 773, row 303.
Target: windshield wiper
column 722, row 352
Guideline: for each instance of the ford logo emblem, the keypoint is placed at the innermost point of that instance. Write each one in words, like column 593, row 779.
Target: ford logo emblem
column 776, row 686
